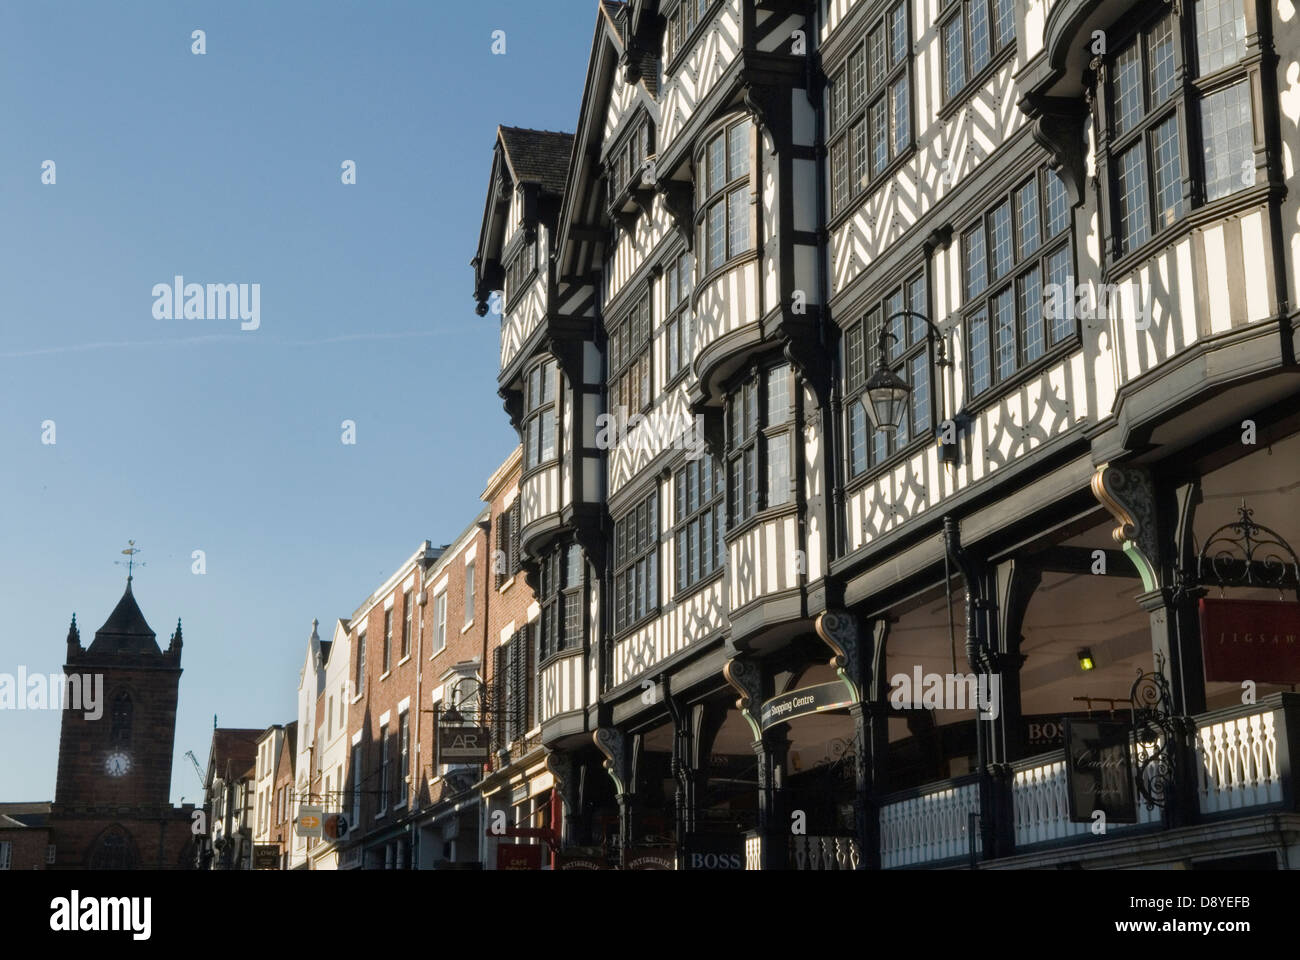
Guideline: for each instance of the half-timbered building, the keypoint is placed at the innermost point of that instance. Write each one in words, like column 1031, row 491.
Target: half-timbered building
column 896, row 382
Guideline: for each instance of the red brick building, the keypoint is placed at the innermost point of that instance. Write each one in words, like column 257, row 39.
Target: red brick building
column 25, row 836
column 420, row 644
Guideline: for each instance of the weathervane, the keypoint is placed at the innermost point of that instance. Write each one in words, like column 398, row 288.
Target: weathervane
column 130, row 552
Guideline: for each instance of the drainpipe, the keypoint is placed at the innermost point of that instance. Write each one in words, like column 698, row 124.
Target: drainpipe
column 832, row 404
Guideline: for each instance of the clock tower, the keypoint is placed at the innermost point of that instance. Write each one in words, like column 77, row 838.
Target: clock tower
column 112, row 799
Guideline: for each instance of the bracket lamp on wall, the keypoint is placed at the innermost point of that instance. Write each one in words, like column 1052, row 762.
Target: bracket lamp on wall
column 1086, row 662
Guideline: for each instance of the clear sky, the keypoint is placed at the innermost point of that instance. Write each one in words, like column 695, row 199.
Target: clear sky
column 193, row 434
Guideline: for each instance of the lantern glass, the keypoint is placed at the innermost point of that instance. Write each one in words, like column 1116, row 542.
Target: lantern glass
column 885, row 397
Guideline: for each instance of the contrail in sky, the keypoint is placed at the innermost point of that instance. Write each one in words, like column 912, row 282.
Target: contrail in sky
column 211, row 338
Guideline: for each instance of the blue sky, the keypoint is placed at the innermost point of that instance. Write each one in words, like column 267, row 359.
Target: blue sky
column 192, row 434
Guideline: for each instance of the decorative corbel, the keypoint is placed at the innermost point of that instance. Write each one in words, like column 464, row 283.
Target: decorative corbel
column 762, row 100
column 1058, row 126
column 618, row 760
column 838, row 629
column 747, row 680
column 1129, row 495
column 512, row 401
column 808, row 357
column 679, row 201
column 563, row 769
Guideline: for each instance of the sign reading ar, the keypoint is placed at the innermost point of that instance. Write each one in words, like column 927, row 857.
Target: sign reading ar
column 464, row 744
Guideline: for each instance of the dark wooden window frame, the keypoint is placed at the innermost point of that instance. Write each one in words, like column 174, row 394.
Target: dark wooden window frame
column 860, row 356
column 750, row 436
column 1022, row 264
column 1189, row 90
column 846, row 112
column 631, row 362
column 709, row 196
column 705, row 510
column 974, row 77
column 636, row 563
column 537, row 407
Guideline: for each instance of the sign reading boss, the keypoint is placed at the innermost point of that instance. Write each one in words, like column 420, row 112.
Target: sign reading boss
column 714, row 852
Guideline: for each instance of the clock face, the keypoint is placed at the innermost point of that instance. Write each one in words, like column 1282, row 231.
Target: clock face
column 117, row 764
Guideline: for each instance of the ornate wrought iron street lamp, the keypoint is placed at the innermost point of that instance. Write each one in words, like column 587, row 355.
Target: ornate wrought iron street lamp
column 885, row 393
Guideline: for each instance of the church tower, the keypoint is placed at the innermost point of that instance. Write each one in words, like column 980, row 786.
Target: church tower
column 112, row 800
column 124, row 756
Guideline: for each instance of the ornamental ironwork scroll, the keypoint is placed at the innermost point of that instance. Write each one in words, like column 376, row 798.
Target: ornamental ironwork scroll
column 1245, row 554
column 1158, row 735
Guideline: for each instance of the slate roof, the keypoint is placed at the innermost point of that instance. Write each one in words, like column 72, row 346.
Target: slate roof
column 538, row 156
column 125, row 630
column 18, row 816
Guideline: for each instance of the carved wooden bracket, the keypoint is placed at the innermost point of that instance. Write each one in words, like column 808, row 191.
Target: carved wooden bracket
column 746, row 679
column 679, row 201
column 1058, row 125
column 618, row 759
column 1129, row 495
column 838, row 629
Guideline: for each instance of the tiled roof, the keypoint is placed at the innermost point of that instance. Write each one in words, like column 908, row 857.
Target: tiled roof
column 234, row 747
column 538, row 156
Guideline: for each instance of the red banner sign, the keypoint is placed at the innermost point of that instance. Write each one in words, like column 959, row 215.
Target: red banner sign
column 1251, row 640
column 519, row 856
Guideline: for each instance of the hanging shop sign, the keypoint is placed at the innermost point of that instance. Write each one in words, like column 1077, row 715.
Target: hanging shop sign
column 581, row 858
column 458, row 743
column 714, row 851
column 1250, row 640
column 803, row 702
column 266, row 856
column 519, row 856
column 662, row 857
column 336, row 826
column 1046, row 731
column 1098, row 772
column 310, row 822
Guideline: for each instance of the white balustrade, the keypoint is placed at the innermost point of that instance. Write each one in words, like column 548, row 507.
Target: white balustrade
column 1238, row 762
column 930, row 827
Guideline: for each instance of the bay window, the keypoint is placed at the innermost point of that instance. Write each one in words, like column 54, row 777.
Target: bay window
column 539, row 415
column 1173, row 146
column 760, row 441
column 699, row 548
column 679, row 322
column 722, row 185
column 560, row 598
